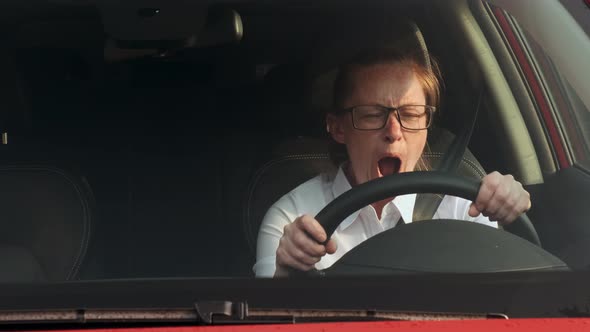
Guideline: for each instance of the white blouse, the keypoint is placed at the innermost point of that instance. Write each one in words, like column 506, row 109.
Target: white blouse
column 313, row 195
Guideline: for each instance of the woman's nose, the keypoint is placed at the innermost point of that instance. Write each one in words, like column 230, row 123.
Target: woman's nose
column 393, row 128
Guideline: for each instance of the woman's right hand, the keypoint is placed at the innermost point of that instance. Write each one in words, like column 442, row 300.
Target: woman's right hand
column 301, row 246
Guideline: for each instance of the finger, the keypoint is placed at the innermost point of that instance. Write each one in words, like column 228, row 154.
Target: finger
column 486, row 191
column 525, row 200
column 313, row 228
column 523, row 204
column 505, row 199
column 514, row 205
column 473, row 211
column 284, row 258
column 491, row 208
column 288, row 256
column 503, row 215
column 529, row 203
column 511, row 216
column 303, row 258
column 331, row 246
column 518, row 201
column 301, row 240
column 499, row 204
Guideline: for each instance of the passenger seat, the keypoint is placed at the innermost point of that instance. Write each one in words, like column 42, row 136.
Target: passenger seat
column 46, row 212
column 46, row 223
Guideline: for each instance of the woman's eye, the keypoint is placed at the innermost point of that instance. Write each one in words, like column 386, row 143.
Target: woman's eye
column 410, row 112
column 411, row 115
column 373, row 115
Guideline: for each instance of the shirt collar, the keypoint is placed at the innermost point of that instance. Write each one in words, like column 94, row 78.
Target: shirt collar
column 340, row 184
column 404, row 203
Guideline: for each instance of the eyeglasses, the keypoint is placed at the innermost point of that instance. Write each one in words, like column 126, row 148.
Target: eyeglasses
column 375, row 117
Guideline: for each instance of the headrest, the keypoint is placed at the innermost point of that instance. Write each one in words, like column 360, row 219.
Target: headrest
column 373, row 33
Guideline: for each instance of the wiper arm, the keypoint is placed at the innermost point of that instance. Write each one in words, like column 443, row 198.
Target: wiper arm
column 224, row 312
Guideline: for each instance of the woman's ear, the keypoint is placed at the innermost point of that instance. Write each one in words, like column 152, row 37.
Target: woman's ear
column 335, row 126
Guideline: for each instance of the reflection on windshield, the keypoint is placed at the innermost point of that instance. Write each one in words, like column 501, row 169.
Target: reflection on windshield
column 213, row 157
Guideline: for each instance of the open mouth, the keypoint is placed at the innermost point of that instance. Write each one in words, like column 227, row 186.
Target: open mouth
column 389, row 165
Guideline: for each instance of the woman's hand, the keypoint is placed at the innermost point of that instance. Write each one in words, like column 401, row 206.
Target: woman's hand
column 501, row 199
column 301, row 245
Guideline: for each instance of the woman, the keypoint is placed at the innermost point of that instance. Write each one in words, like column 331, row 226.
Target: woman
column 383, row 105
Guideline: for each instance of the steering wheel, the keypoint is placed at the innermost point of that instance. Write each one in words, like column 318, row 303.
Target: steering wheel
column 407, row 183
column 419, row 240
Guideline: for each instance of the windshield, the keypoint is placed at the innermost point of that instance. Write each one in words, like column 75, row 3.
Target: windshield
column 251, row 139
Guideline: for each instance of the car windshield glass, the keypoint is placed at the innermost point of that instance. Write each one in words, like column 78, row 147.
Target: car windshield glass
column 251, row 139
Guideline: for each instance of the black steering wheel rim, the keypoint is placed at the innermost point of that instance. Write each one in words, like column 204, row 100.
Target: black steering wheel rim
column 407, row 183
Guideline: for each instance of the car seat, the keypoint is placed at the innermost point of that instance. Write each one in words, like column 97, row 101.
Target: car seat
column 46, row 212
column 297, row 160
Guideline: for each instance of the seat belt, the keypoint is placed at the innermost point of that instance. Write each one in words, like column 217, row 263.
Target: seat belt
column 427, row 204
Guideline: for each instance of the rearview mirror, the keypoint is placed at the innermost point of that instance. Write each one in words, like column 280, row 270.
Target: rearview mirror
column 140, row 28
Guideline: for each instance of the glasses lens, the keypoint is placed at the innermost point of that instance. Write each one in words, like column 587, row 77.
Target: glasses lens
column 414, row 116
column 369, row 117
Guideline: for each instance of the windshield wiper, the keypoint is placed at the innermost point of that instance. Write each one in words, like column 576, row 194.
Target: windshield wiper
column 224, row 312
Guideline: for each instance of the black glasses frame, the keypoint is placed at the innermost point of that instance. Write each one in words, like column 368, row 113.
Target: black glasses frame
column 429, row 111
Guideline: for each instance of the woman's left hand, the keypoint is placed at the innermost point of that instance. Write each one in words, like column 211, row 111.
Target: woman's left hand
column 501, row 198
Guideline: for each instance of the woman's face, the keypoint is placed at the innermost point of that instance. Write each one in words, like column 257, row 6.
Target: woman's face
column 377, row 153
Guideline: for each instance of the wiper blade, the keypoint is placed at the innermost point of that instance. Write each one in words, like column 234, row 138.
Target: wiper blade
column 224, row 312
column 357, row 315
column 228, row 312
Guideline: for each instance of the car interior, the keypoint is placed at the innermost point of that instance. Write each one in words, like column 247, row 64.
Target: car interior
column 149, row 141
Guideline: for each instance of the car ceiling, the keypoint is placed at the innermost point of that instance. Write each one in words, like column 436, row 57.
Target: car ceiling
column 288, row 30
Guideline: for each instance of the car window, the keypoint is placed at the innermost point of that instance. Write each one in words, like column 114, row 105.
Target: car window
column 564, row 113
column 571, row 113
column 580, row 10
